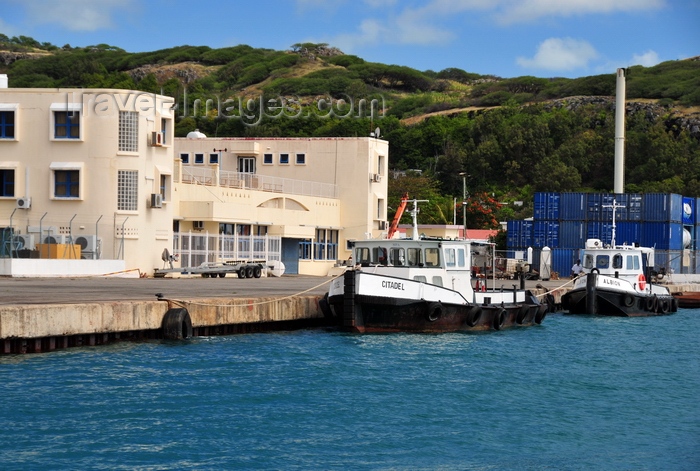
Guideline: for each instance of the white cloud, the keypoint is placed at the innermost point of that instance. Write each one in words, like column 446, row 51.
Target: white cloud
column 509, row 12
column 648, row 59
column 76, row 15
column 560, row 54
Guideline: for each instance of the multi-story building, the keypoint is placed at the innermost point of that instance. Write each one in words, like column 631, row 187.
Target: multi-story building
column 101, row 170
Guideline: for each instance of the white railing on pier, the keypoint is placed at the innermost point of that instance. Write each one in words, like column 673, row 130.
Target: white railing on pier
column 195, row 249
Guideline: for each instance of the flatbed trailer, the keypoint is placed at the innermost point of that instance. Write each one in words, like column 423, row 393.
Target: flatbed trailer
column 242, row 268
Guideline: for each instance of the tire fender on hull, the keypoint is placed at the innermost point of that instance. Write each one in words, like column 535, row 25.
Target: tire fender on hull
column 177, row 324
column 434, row 312
column 474, row 316
column 499, row 318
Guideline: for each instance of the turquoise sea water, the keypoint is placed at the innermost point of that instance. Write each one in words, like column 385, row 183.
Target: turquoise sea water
column 575, row 393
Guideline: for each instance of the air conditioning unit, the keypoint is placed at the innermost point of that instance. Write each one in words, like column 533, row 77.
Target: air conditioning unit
column 156, row 200
column 156, row 139
column 198, row 225
column 88, row 243
column 382, row 225
column 55, row 239
column 24, row 203
column 376, row 178
column 25, row 241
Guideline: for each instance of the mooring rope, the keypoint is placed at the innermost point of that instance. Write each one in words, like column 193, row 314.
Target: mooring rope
column 558, row 288
column 193, row 303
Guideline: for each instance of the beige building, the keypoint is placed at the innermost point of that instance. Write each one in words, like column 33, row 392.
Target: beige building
column 93, row 182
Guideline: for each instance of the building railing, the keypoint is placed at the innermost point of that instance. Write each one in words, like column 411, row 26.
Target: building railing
column 194, row 249
column 212, row 176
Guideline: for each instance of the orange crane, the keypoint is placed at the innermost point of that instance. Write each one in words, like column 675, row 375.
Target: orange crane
column 397, row 216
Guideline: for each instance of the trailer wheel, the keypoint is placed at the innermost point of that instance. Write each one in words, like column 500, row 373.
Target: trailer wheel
column 222, row 275
column 241, row 272
column 249, row 271
column 257, row 271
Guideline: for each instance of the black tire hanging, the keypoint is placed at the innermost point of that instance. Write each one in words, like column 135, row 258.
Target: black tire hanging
column 177, row 324
column 499, row 319
column 522, row 314
column 474, row 316
column 627, row 300
column 541, row 314
column 434, row 312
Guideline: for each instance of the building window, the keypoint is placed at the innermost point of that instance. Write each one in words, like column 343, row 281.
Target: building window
column 185, row 158
column 284, row 158
column 127, row 190
column 67, row 124
column 305, row 249
column 199, row 158
column 246, row 164
column 267, row 159
column 67, row 183
column 128, row 131
column 164, row 187
column 7, row 182
column 7, row 124
column 164, row 130
column 326, row 245
column 380, row 165
column 213, row 158
column 301, row 159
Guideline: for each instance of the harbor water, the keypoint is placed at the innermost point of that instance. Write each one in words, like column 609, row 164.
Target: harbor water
column 575, row 393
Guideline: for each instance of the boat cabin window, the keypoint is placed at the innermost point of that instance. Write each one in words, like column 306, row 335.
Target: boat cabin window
column 617, row 261
column 415, row 258
column 437, row 280
column 420, row 278
column 397, row 257
column 432, row 257
column 461, row 259
column 450, row 258
column 588, row 260
column 362, row 256
column 602, row 261
column 380, row 256
column 632, row 262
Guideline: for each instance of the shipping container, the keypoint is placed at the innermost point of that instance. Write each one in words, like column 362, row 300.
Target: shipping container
column 519, row 234
column 662, row 235
column 563, row 260
column 628, row 232
column 662, row 207
column 546, row 206
column 599, row 230
column 572, row 234
column 631, row 207
column 688, row 211
column 545, row 234
column 572, row 206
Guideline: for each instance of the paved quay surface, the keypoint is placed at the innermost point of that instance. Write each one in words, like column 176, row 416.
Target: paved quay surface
column 25, row 291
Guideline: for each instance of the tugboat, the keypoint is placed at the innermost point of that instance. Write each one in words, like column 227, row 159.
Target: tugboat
column 616, row 280
column 424, row 285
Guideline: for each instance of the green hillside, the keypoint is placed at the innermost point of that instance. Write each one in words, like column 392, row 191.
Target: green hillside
column 511, row 136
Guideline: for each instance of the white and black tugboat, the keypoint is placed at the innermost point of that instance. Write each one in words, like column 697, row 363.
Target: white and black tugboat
column 616, row 280
column 424, row 285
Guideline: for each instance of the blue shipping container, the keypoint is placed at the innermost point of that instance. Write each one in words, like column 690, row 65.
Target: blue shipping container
column 662, row 207
column 688, row 211
column 572, row 206
column 563, row 260
column 599, row 230
column 572, row 234
column 628, row 207
column 546, row 206
column 628, row 232
column 662, row 235
column 519, row 234
column 545, row 234
column 631, row 207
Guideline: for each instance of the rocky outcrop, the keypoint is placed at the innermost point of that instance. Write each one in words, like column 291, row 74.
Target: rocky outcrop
column 186, row 72
column 8, row 57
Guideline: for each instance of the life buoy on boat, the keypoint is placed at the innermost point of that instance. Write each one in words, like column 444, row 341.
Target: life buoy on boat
column 627, row 300
column 473, row 316
column 642, row 281
column 434, row 311
column 522, row 314
column 499, row 318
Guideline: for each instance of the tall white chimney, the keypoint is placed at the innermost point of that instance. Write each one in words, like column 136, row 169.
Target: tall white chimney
column 3, row 80
column 620, row 132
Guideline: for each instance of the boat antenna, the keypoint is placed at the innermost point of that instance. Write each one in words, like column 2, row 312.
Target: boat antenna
column 614, row 207
column 414, row 215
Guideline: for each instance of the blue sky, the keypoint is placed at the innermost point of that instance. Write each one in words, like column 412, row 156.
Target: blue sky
column 508, row 38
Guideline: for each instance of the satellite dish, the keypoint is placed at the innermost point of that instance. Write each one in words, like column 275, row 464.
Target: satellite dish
column 376, row 133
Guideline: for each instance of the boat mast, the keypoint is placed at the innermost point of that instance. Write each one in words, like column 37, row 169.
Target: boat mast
column 614, row 207
column 414, row 214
